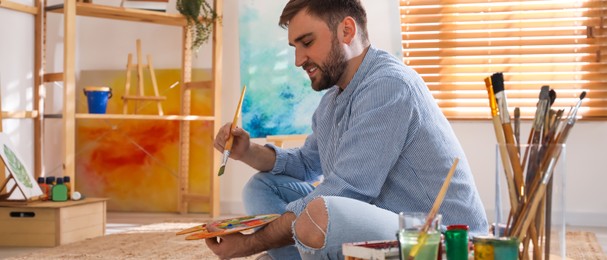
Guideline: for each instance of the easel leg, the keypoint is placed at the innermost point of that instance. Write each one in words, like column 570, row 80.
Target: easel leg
column 155, row 85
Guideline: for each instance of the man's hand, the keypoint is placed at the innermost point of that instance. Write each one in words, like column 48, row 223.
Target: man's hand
column 241, row 141
column 232, row 245
column 257, row 156
column 274, row 235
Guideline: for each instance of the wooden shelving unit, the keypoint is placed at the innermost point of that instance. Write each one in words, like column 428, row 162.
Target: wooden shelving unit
column 34, row 114
column 70, row 10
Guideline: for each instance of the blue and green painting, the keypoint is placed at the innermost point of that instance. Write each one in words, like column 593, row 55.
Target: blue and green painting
column 279, row 99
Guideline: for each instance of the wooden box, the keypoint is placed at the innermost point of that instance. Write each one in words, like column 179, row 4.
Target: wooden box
column 49, row 224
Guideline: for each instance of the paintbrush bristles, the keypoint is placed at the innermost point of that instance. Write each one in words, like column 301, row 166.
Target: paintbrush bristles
column 545, row 93
column 552, row 96
column 497, row 81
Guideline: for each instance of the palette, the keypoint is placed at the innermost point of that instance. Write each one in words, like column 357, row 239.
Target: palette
column 228, row 226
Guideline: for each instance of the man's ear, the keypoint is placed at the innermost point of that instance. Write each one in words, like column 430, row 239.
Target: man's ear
column 348, row 29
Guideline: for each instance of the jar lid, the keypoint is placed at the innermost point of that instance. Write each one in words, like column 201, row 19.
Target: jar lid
column 96, row 88
column 457, row 227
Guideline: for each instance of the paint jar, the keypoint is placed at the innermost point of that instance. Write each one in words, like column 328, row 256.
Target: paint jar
column 505, row 248
column 496, row 248
column 483, row 248
column 411, row 242
column 49, row 184
column 456, row 242
column 59, row 191
column 68, row 184
column 97, row 98
column 43, row 187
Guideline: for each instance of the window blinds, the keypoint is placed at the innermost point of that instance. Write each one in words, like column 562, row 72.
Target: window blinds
column 455, row 44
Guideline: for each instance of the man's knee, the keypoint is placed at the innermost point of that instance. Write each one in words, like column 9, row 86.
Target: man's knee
column 311, row 225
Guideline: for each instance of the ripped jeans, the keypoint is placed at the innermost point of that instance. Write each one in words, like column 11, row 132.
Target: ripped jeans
column 349, row 220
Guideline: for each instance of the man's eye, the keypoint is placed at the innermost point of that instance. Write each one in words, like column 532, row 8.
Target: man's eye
column 307, row 43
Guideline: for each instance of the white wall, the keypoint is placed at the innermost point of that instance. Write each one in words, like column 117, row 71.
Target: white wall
column 103, row 44
column 16, row 77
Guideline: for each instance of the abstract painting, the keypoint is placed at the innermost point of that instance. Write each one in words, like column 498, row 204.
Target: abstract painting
column 279, row 98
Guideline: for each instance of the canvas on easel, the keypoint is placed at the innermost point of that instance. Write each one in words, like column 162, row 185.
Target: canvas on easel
column 20, row 184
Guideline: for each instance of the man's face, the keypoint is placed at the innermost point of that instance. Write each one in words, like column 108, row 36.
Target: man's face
column 317, row 50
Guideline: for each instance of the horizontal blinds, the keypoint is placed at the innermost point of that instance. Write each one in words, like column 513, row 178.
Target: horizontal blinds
column 455, row 44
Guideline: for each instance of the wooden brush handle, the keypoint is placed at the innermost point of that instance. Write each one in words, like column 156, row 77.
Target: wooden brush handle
column 514, row 159
column 430, row 218
column 230, row 140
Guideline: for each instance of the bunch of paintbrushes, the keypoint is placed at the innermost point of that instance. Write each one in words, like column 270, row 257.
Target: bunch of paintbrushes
column 529, row 172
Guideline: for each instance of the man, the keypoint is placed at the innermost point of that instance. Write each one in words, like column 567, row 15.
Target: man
column 379, row 141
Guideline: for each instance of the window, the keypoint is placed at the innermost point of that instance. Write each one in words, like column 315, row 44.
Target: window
column 456, row 44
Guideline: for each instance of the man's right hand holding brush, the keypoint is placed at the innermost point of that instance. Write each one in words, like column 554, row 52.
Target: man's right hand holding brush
column 257, row 156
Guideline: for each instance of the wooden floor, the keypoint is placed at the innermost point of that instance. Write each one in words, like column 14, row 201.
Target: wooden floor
column 120, row 221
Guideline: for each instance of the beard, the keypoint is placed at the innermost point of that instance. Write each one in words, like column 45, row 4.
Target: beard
column 333, row 69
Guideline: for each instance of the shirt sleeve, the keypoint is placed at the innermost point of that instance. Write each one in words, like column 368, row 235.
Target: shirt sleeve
column 302, row 163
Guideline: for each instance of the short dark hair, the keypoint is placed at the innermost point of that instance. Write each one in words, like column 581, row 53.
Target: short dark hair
column 330, row 11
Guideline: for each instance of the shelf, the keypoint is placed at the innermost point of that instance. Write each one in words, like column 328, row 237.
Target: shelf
column 19, row 114
column 18, row 7
column 120, row 13
column 144, row 117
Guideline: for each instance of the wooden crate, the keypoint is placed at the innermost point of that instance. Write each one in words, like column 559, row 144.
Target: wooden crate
column 48, row 223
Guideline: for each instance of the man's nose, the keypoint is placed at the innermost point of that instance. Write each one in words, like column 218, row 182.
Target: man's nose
column 300, row 58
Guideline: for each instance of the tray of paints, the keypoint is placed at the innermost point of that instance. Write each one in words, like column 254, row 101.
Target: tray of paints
column 227, row 226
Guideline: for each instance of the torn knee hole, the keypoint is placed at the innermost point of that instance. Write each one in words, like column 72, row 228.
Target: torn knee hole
column 311, row 225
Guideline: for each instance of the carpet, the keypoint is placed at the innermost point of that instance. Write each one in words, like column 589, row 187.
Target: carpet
column 158, row 241
column 584, row 245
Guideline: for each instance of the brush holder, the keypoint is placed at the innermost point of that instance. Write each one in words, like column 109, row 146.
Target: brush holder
column 541, row 170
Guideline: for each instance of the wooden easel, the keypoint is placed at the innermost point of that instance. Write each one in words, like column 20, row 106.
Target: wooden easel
column 26, row 185
column 140, row 93
column 5, row 196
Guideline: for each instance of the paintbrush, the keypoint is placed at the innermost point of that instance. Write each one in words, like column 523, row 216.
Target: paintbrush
column 423, row 233
column 497, row 83
column 547, row 167
column 536, row 135
column 553, row 128
column 499, row 135
column 228, row 146
column 517, row 127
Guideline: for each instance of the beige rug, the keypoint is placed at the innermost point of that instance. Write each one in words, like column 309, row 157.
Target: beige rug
column 584, row 245
column 158, row 241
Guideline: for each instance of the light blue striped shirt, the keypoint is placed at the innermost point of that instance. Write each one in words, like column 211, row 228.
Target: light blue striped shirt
column 383, row 140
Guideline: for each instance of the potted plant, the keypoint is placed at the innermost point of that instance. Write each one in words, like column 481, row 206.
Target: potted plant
column 201, row 28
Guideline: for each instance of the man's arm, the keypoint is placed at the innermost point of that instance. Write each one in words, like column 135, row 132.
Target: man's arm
column 260, row 157
column 276, row 234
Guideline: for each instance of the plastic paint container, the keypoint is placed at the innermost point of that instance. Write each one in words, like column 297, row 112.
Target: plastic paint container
column 456, row 242
column 505, row 248
column 483, row 248
column 97, row 98
column 495, row 248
